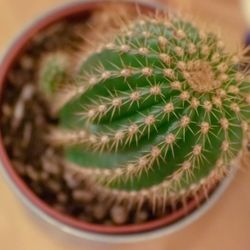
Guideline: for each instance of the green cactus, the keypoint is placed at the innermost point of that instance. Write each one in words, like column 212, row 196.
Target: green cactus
column 53, row 72
column 157, row 114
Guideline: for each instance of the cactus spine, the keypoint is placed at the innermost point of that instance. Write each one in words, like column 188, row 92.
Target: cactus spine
column 156, row 114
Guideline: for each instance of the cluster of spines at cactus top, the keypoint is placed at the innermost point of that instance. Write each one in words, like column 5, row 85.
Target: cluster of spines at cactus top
column 156, row 114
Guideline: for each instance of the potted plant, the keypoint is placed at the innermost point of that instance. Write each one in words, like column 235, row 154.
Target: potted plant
column 123, row 129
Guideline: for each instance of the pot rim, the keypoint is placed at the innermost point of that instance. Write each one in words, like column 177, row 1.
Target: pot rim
column 165, row 225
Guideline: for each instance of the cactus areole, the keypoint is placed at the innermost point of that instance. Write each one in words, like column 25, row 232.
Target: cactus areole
column 155, row 114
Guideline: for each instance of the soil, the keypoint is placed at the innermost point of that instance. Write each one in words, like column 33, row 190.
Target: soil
column 25, row 121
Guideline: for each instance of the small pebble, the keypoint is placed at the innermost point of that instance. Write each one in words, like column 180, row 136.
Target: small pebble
column 50, row 167
column 7, row 110
column 31, row 172
column 18, row 77
column 82, row 195
column 44, row 176
column 141, row 216
column 18, row 114
column 27, row 134
column 71, row 180
column 62, row 198
column 7, row 140
column 119, row 214
column 19, row 108
column 38, row 189
column 99, row 211
column 54, row 185
column 108, row 222
column 26, row 62
column 17, row 153
column 27, row 92
column 19, row 167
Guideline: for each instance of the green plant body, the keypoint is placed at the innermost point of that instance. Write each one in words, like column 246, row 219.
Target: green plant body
column 157, row 113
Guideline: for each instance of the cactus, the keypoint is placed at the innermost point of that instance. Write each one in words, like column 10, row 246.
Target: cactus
column 53, row 72
column 156, row 114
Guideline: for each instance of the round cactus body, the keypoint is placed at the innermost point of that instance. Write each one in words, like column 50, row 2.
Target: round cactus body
column 158, row 113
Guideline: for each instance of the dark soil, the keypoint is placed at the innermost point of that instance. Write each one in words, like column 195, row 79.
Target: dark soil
column 25, row 121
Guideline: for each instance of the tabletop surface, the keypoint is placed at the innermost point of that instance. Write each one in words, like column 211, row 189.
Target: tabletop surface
column 225, row 226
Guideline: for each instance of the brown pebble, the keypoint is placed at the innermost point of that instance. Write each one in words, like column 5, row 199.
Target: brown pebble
column 27, row 134
column 54, row 186
column 32, row 173
column 44, row 176
column 141, row 216
column 18, row 114
column 26, row 62
column 108, row 222
column 19, row 109
column 50, row 167
column 82, row 195
column 38, row 189
column 7, row 110
column 119, row 214
column 17, row 153
column 50, row 162
column 99, row 211
column 27, row 92
column 88, row 209
column 62, row 197
column 39, row 120
column 19, row 167
column 70, row 180
column 18, row 77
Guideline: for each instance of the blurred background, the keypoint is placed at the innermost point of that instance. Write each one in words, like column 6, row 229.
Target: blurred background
column 225, row 226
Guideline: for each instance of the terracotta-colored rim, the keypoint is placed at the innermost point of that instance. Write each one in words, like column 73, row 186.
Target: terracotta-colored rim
column 7, row 62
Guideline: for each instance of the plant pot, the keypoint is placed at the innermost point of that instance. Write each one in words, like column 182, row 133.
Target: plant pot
column 69, row 225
